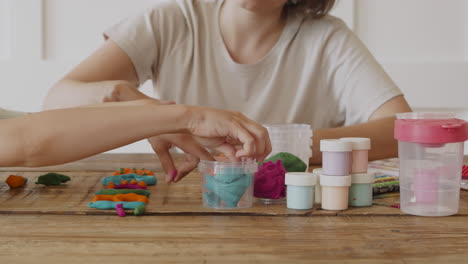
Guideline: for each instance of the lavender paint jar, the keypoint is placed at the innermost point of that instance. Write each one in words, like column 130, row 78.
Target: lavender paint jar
column 336, row 157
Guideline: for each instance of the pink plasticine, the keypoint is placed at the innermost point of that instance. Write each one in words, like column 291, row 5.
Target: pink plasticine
column 269, row 181
column 120, row 210
column 129, row 186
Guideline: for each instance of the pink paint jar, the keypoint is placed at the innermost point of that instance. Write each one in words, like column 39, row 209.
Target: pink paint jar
column 336, row 157
column 360, row 154
column 335, row 192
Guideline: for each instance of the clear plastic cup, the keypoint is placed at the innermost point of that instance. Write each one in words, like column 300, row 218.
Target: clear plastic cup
column 295, row 139
column 292, row 138
column 430, row 148
column 227, row 185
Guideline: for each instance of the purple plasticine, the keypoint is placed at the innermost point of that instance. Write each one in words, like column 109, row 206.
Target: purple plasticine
column 120, row 210
column 269, row 181
column 130, row 186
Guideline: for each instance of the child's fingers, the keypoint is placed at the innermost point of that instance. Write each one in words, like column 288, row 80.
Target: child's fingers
column 189, row 145
column 262, row 139
column 228, row 150
column 165, row 157
column 247, row 140
column 191, row 162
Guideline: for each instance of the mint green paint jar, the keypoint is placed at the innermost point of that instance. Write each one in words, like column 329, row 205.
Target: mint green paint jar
column 360, row 192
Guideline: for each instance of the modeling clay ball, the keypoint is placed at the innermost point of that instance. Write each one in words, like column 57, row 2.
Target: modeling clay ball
column 139, row 210
column 52, row 179
column 15, row 181
column 290, row 162
column 269, row 181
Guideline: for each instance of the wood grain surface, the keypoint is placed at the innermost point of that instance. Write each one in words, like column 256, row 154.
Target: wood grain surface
column 40, row 224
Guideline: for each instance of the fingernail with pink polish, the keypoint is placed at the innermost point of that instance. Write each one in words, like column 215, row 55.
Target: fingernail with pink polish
column 174, row 175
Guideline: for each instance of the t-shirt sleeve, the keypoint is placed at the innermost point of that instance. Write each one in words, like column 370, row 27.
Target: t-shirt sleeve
column 358, row 82
column 149, row 36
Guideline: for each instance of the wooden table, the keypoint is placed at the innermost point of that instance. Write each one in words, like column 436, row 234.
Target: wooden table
column 41, row 224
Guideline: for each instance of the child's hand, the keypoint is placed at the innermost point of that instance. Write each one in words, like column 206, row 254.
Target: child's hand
column 223, row 130
column 230, row 133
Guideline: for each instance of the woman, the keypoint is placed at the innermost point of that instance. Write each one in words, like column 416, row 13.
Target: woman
column 276, row 61
column 61, row 136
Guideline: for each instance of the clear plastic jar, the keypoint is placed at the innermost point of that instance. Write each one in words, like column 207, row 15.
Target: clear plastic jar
column 430, row 148
column 227, row 185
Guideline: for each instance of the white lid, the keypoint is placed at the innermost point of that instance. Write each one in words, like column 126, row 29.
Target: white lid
column 301, row 179
column 335, row 181
column 362, row 178
column 335, row 145
column 317, row 171
column 359, row 143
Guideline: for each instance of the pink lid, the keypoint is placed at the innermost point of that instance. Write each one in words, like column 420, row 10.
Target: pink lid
column 426, row 128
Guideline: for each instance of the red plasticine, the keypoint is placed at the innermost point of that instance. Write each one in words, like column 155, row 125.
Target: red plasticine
column 125, row 185
column 269, row 181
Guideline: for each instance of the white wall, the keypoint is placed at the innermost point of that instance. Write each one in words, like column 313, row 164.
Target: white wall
column 423, row 44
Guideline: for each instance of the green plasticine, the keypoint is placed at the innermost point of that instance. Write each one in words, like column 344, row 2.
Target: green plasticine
column 123, row 191
column 229, row 187
column 140, row 210
column 150, row 180
column 52, row 179
column 290, row 162
column 111, row 205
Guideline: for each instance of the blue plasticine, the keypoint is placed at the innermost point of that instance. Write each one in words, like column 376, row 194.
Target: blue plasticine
column 228, row 186
column 150, row 180
column 111, row 205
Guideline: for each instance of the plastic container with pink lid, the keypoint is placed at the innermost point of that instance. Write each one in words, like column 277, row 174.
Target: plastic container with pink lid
column 430, row 148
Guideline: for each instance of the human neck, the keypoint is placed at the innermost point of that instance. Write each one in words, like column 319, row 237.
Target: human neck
column 249, row 35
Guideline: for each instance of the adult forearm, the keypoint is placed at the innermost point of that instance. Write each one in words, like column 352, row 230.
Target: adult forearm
column 60, row 136
column 72, row 93
column 379, row 131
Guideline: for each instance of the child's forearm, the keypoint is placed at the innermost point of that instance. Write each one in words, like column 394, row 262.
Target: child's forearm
column 379, row 131
column 60, row 136
column 72, row 93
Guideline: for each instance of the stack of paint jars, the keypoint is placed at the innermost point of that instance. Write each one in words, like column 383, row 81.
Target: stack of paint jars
column 344, row 179
column 335, row 179
column 360, row 193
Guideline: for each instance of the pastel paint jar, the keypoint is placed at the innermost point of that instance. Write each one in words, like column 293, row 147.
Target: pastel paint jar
column 300, row 190
column 360, row 154
column 336, row 157
column 318, row 189
column 360, row 192
column 335, row 192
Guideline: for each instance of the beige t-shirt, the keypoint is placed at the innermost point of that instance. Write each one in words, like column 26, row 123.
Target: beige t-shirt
column 6, row 114
column 318, row 73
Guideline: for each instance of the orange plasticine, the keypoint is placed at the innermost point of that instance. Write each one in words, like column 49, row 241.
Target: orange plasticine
column 142, row 184
column 133, row 171
column 15, row 181
column 129, row 197
column 124, row 182
column 133, row 181
column 111, row 185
